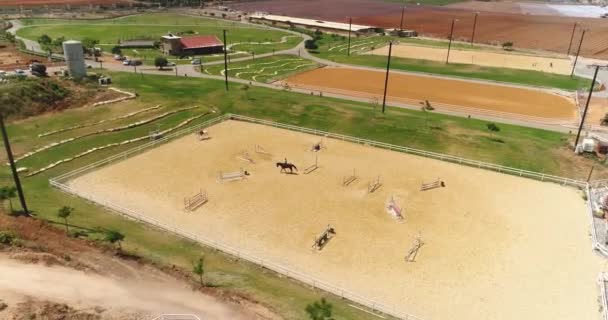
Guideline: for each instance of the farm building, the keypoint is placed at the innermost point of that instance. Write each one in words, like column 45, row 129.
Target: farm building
column 184, row 46
column 325, row 26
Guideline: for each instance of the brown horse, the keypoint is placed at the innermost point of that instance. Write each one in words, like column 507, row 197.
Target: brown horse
column 285, row 166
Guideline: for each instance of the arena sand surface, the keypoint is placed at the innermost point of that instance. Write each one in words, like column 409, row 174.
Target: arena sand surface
column 496, row 246
column 508, row 101
column 481, row 58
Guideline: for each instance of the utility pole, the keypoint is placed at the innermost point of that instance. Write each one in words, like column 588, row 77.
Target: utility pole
column 447, row 59
column 402, row 15
column 225, row 60
column 11, row 161
column 350, row 26
column 571, row 39
column 388, row 67
column 580, row 127
column 577, row 53
column 474, row 26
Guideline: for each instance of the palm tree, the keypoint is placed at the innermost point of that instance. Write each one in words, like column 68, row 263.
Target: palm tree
column 319, row 310
column 199, row 269
column 114, row 236
column 63, row 213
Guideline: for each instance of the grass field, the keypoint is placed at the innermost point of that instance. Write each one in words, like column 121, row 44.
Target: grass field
column 152, row 26
column 266, row 69
column 532, row 149
column 334, row 48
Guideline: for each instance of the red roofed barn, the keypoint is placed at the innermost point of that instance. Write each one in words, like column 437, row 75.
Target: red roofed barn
column 178, row 46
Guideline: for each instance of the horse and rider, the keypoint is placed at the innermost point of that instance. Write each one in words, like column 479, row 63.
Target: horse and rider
column 286, row 166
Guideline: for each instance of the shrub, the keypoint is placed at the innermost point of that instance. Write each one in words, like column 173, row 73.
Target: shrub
column 7, row 238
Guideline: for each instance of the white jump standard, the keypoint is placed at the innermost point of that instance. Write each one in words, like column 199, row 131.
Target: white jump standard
column 413, row 251
column 313, row 166
column 195, row 201
column 374, row 185
column 245, row 156
column 347, row 180
column 202, row 135
column 432, row 185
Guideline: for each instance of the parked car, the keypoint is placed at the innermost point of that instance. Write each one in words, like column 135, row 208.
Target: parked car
column 2, row 74
column 118, row 57
column 126, row 63
column 171, row 64
column 195, row 61
column 20, row 73
column 38, row 69
column 89, row 66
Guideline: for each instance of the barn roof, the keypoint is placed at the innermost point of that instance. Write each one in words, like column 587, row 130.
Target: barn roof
column 201, row 42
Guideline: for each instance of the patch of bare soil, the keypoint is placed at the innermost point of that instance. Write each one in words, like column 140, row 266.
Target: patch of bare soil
column 50, row 276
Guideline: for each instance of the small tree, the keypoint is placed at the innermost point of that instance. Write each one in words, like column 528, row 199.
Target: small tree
column 116, row 50
column 508, row 45
column 7, row 193
column 113, row 236
column 45, row 40
column 319, row 310
column 493, row 128
column 63, row 213
column 160, row 62
column 199, row 269
column 88, row 44
column 310, row 45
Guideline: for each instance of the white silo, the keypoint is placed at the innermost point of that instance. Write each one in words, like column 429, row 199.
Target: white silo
column 74, row 58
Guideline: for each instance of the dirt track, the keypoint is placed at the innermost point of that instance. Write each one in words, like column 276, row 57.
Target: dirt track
column 496, row 246
column 481, row 58
column 550, row 33
column 517, row 102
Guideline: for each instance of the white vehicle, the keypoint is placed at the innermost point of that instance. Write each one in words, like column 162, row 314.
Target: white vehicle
column 171, row 64
column 126, row 63
column 196, row 61
column 2, row 74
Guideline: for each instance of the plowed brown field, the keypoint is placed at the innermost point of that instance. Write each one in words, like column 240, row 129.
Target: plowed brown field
column 467, row 96
column 551, row 33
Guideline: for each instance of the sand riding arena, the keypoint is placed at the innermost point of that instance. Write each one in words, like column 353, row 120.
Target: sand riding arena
column 370, row 224
column 472, row 97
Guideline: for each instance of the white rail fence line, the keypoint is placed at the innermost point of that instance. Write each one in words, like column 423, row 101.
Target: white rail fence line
column 292, row 273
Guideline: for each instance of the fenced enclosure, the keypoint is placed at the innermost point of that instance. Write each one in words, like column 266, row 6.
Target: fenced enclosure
column 61, row 183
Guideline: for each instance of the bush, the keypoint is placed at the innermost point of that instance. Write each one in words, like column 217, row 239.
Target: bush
column 310, row 45
column 7, row 238
column 31, row 96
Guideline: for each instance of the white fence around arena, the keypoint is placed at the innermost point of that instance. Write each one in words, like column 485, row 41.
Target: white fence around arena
column 59, row 183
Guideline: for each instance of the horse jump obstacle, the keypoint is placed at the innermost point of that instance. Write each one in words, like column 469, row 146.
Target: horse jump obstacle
column 313, row 166
column 203, row 135
column 231, row 176
column 259, row 149
column 245, row 156
column 394, row 209
column 413, row 252
column 195, row 201
column 347, row 180
column 316, row 147
column 374, row 185
column 432, row 185
column 324, row 238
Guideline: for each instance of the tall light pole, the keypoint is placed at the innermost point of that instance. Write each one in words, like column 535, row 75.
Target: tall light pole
column 388, row 68
column 11, row 161
column 580, row 44
column 580, row 127
column 571, row 39
column 402, row 15
column 447, row 58
column 350, row 26
column 225, row 60
column 474, row 26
